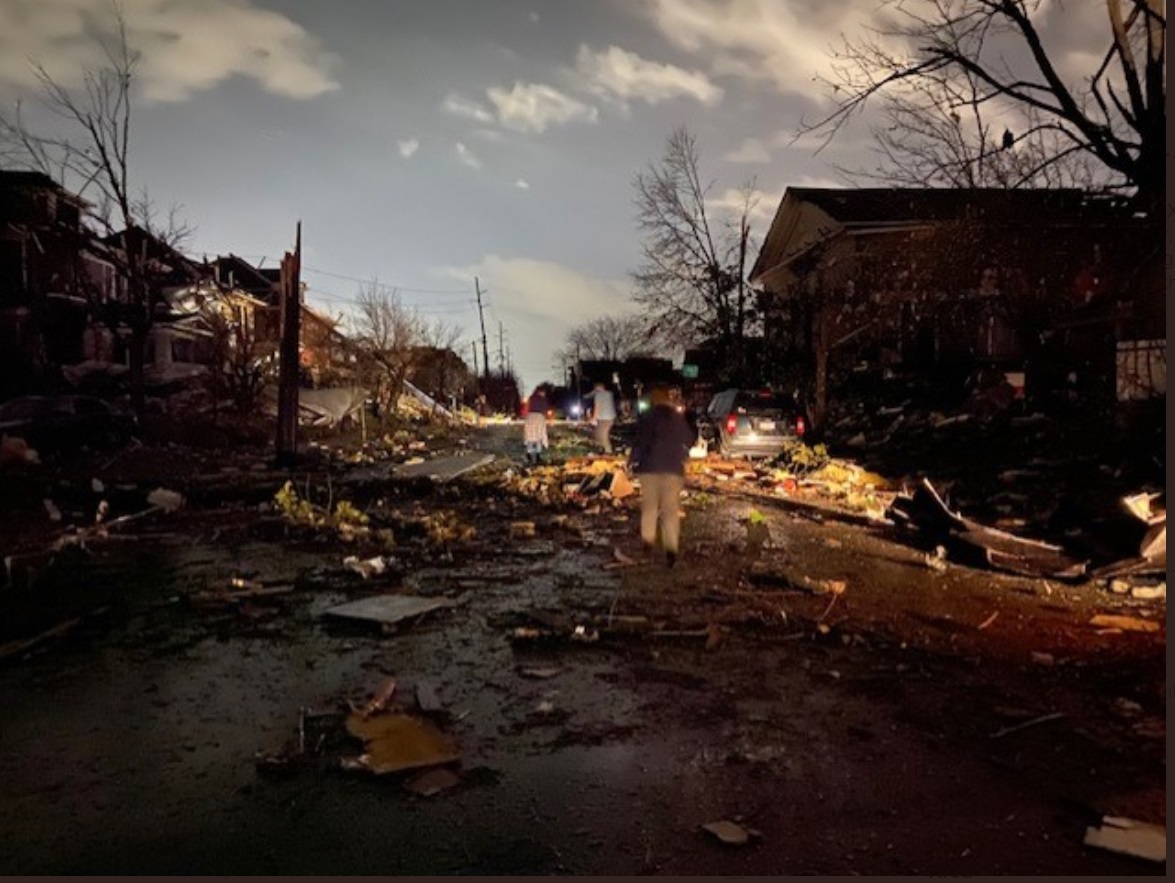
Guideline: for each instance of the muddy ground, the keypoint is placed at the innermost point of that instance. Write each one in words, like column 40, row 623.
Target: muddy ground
column 869, row 732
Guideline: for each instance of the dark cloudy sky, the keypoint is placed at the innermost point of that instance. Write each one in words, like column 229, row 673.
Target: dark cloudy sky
column 424, row 143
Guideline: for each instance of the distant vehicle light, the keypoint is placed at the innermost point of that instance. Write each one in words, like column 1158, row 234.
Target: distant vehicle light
column 576, row 410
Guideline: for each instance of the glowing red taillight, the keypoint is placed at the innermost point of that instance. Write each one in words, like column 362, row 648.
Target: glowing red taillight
column 800, row 425
column 731, row 424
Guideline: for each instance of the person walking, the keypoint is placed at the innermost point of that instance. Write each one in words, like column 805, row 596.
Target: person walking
column 658, row 455
column 603, row 416
column 534, row 427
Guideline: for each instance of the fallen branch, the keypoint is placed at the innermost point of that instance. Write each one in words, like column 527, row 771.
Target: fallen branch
column 1043, row 719
column 15, row 648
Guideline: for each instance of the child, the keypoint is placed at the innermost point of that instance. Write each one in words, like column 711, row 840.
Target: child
column 534, row 428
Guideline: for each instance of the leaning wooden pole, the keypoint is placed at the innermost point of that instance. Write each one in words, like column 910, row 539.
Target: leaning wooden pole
column 287, row 393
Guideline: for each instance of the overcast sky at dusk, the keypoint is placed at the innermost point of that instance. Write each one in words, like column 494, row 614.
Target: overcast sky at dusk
column 424, row 143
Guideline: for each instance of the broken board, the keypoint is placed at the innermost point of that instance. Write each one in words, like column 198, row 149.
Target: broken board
column 398, row 742
column 1128, row 837
column 443, row 468
column 389, row 609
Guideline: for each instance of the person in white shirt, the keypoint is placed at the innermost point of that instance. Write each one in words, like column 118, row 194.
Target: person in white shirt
column 603, row 415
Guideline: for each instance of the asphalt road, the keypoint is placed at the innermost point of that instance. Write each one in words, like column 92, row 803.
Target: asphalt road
column 856, row 738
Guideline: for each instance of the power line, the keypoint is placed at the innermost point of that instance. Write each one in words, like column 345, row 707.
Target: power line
column 387, row 286
column 383, row 285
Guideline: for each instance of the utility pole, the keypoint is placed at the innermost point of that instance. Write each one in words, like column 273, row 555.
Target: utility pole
column 485, row 350
column 501, row 348
column 287, row 391
column 473, row 346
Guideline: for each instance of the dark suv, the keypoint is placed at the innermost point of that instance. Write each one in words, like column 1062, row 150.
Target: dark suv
column 751, row 423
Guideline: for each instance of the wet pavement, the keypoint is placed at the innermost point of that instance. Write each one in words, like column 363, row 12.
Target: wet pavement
column 856, row 737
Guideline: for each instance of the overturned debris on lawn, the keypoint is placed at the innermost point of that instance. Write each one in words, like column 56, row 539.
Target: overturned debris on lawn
column 926, row 511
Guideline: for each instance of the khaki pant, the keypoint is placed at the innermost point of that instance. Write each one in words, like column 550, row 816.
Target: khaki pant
column 661, row 504
column 603, row 435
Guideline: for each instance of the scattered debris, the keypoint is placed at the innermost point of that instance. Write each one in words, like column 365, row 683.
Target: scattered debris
column 523, row 530
column 443, row 469
column 925, row 510
column 165, row 500
column 1129, row 837
column 371, row 567
column 14, row 449
column 16, row 648
column 936, row 560
column 989, row 620
column 432, row 782
column 381, row 698
column 1125, row 623
column 540, row 674
column 51, row 510
column 1149, row 593
column 730, row 833
column 1043, row 658
column 1043, row 719
column 389, row 609
column 427, row 699
column 397, row 742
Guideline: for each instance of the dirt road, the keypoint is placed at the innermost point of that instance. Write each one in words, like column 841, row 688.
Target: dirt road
column 872, row 731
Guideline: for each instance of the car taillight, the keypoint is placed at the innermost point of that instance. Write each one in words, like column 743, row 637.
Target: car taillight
column 731, row 424
column 800, row 425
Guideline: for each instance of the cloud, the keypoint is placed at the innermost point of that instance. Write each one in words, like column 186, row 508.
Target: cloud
column 463, row 107
column 467, row 156
column 409, row 147
column 782, row 44
column 533, row 107
column 522, row 184
column 753, row 150
column 615, row 73
column 728, row 206
column 186, row 46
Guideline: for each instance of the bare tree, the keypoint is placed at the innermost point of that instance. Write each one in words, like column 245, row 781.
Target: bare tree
column 952, row 60
column 438, row 369
column 388, row 335
column 93, row 157
column 692, row 279
column 938, row 132
column 241, row 364
column 609, row 338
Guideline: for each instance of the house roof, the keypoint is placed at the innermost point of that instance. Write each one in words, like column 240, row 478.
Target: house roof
column 247, row 277
column 15, row 184
column 808, row 215
column 880, row 205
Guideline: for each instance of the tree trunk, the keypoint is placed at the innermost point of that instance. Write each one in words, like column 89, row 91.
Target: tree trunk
column 822, row 345
column 137, row 355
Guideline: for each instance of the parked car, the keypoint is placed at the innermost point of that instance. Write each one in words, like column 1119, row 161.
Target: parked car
column 69, row 421
column 750, row 423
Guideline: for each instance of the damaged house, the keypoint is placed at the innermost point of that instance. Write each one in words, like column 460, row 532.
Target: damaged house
column 49, row 266
column 930, row 289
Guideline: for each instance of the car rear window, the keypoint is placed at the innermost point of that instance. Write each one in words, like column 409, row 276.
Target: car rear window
column 770, row 403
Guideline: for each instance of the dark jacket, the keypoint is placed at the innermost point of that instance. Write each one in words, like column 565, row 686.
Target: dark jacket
column 537, row 404
column 663, row 440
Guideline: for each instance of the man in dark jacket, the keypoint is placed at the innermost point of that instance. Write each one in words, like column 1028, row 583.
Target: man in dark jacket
column 659, row 452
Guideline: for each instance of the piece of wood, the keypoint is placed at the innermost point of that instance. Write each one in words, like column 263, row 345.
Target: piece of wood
column 1125, row 623
column 15, row 648
column 1036, row 721
column 389, row 609
column 1129, row 837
